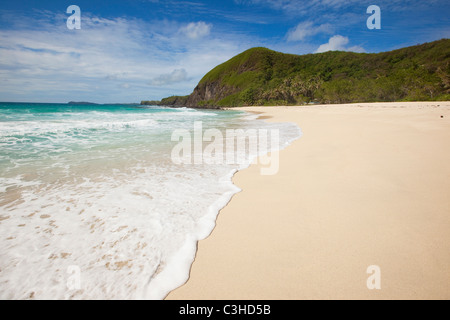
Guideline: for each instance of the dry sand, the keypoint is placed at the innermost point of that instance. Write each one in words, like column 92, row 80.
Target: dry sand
column 367, row 184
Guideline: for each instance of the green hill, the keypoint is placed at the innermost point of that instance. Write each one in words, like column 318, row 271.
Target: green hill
column 260, row 76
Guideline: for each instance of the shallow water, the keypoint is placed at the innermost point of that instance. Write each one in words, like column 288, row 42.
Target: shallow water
column 92, row 205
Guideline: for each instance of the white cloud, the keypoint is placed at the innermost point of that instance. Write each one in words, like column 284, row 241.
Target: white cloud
column 307, row 29
column 196, row 30
column 44, row 61
column 338, row 43
column 178, row 75
column 300, row 7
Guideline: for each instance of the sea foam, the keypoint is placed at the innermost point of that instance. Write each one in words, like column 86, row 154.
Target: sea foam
column 108, row 201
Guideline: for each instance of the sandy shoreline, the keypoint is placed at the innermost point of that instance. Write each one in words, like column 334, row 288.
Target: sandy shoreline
column 367, row 184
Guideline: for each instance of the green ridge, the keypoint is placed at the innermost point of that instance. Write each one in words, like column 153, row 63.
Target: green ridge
column 260, row 76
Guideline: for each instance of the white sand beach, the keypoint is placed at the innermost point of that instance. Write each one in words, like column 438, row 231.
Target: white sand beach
column 367, row 184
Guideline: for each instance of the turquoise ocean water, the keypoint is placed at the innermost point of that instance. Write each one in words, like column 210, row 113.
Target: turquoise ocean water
column 92, row 205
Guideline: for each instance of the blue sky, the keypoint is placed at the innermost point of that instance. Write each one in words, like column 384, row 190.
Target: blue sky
column 133, row 50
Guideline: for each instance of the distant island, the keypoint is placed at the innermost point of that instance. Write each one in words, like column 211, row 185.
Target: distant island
column 263, row 77
column 82, row 103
